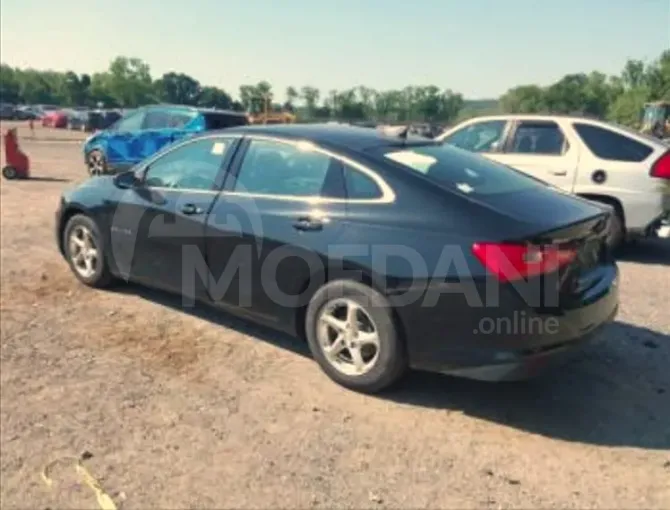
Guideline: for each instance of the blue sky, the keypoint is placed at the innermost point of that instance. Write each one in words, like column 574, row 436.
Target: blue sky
column 479, row 48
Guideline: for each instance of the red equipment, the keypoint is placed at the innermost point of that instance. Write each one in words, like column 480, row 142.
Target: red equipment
column 18, row 164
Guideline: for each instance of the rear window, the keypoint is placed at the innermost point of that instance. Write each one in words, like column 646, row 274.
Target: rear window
column 460, row 170
column 612, row 146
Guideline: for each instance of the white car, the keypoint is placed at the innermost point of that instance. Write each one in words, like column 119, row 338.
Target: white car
column 594, row 159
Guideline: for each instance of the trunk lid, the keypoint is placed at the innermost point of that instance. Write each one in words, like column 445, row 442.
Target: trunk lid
column 544, row 219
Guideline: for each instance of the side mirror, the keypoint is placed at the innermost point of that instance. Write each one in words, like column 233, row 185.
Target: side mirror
column 126, row 180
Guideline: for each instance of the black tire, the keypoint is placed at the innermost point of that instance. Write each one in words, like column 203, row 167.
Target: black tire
column 9, row 172
column 391, row 361
column 96, row 163
column 101, row 276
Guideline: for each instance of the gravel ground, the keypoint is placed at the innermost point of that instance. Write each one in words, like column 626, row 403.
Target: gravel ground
column 186, row 409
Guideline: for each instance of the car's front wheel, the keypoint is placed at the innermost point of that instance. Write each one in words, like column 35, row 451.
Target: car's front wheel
column 84, row 250
column 353, row 336
column 96, row 162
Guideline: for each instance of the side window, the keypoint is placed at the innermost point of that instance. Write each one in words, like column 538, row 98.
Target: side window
column 612, row 146
column 194, row 165
column 179, row 119
column 538, row 138
column 164, row 119
column 133, row 122
column 156, row 119
column 275, row 168
column 479, row 137
column 358, row 185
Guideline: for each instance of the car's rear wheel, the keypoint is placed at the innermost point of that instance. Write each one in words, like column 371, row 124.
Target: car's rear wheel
column 84, row 251
column 353, row 336
column 96, row 162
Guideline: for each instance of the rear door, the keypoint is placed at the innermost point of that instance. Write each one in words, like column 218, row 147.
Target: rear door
column 542, row 149
column 271, row 231
column 158, row 227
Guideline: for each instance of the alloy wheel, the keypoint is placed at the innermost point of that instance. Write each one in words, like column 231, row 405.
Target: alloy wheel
column 348, row 337
column 83, row 251
column 96, row 163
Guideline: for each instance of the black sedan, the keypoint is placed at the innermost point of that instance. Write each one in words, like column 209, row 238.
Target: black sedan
column 383, row 252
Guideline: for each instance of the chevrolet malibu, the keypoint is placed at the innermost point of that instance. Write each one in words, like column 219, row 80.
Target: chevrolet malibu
column 382, row 252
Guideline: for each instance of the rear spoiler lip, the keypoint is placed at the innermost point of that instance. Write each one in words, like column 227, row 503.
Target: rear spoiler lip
column 596, row 225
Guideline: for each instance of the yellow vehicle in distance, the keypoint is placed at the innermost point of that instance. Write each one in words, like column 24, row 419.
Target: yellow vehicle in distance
column 272, row 118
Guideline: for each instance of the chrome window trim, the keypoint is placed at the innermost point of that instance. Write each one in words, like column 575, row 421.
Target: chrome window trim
column 177, row 145
column 388, row 195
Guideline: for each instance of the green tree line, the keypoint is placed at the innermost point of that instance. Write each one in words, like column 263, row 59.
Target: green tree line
column 617, row 98
column 128, row 83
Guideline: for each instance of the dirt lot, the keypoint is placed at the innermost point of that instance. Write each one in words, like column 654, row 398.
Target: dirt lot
column 196, row 409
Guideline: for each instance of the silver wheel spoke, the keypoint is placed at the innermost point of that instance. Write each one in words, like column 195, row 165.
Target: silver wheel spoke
column 352, row 316
column 357, row 358
column 368, row 338
column 89, row 265
column 336, row 347
column 334, row 323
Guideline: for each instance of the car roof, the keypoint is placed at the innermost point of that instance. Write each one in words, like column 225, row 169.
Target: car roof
column 335, row 135
column 198, row 109
column 539, row 116
column 582, row 119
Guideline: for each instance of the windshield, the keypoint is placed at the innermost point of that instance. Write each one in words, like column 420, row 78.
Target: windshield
column 460, row 170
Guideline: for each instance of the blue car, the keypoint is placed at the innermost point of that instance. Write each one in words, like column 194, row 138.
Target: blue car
column 143, row 131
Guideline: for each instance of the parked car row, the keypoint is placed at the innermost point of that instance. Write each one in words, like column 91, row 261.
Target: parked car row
column 77, row 118
column 24, row 112
column 80, row 119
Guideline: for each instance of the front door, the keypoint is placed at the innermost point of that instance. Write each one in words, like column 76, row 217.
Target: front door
column 158, row 228
column 541, row 149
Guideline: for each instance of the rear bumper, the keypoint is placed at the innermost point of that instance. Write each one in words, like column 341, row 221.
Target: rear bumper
column 511, row 340
column 528, row 365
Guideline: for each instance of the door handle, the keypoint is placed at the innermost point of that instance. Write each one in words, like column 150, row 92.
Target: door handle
column 191, row 209
column 308, row 224
column 558, row 172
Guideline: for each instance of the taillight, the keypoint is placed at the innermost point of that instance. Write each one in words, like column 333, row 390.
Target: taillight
column 510, row 262
column 661, row 168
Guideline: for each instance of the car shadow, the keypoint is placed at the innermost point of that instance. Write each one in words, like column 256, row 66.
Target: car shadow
column 647, row 251
column 613, row 394
column 218, row 317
